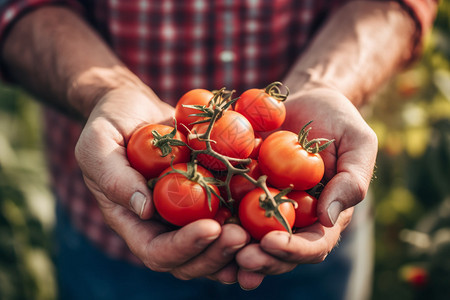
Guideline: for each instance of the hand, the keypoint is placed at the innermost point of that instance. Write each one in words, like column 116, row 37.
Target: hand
column 349, row 163
column 202, row 248
column 279, row 253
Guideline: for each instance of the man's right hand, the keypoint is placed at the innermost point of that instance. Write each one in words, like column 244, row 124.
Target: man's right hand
column 200, row 249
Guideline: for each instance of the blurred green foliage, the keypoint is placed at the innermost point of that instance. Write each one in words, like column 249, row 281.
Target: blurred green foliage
column 26, row 204
column 411, row 117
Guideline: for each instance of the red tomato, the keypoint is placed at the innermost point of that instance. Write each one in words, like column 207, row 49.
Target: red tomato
column 417, row 276
column 181, row 201
column 223, row 215
column 306, row 211
column 147, row 158
column 183, row 114
column 240, row 186
column 253, row 217
column 258, row 143
column 286, row 162
column 233, row 136
column 262, row 110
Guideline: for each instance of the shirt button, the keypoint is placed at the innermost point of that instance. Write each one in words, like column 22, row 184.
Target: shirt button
column 227, row 56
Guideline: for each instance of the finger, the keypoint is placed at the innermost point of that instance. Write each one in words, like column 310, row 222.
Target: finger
column 254, row 259
column 227, row 275
column 107, row 171
column 356, row 155
column 155, row 245
column 311, row 244
column 249, row 280
column 279, row 252
column 217, row 255
column 173, row 249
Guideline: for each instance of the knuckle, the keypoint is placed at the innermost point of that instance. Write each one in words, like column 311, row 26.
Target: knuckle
column 155, row 266
column 321, row 257
column 182, row 275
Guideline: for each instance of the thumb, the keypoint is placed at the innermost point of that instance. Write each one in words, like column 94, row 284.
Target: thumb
column 354, row 170
column 110, row 177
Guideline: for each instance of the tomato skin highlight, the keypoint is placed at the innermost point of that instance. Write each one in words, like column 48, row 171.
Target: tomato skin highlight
column 146, row 158
column 181, row 201
column 285, row 162
column 306, row 211
column 183, row 114
column 233, row 136
column 264, row 112
column 253, row 218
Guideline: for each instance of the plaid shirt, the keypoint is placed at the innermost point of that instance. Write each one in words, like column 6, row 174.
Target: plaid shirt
column 175, row 46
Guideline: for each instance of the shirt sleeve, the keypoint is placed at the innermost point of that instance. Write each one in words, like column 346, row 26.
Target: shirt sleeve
column 424, row 13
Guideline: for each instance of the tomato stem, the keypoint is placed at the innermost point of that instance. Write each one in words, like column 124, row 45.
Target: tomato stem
column 218, row 104
column 274, row 90
column 166, row 142
column 312, row 146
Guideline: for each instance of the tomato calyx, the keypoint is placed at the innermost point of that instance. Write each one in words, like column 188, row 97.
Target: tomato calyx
column 194, row 176
column 219, row 103
column 313, row 146
column 271, row 203
column 274, row 90
column 165, row 142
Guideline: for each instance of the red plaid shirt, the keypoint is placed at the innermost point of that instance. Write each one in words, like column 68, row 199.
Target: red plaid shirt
column 175, row 46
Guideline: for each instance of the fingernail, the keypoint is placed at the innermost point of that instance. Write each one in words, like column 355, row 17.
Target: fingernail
column 334, row 210
column 137, row 203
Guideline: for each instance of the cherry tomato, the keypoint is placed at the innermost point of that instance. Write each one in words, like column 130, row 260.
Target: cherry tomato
column 232, row 134
column 258, row 143
column 253, row 217
column 286, row 162
column 223, row 215
column 306, row 211
column 240, row 186
column 181, row 201
column 183, row 115
column 146, row 157
column 262, row 110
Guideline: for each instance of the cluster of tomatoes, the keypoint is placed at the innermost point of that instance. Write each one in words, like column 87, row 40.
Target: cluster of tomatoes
column 213, row 163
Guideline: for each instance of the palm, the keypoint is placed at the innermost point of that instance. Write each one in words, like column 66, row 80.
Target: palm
column 349, row 161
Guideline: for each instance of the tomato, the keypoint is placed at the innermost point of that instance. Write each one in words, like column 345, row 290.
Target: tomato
column 286, row 162
column 232, row 134
column 223, row 215
column 145, row 157
column 181, row 201
column 264, row 111
column 258, row 143
column 253, row 217
column 240, row 186
column 306, row 211
column 417, row 276
column 192, row 97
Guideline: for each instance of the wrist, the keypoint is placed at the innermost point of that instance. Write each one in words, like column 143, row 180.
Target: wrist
column 87, row 88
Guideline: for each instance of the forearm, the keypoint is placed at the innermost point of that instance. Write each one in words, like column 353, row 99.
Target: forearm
column 54, row 54
column 356, row 50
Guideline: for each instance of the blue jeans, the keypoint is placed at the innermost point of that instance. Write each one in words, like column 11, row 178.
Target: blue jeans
column 85, row 273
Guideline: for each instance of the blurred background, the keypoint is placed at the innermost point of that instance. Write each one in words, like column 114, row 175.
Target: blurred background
column 411, row 116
